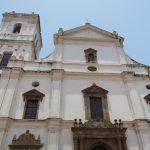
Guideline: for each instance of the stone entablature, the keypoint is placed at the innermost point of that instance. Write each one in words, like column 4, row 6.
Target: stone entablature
column 109, row 138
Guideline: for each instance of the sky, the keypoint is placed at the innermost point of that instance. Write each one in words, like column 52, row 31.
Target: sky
column 130, row 18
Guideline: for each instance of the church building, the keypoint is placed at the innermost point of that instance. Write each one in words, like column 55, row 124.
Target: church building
column 88, row 94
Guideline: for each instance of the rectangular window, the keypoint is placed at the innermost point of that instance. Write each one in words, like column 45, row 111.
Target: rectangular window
column 5, row 59
column 31, row 109
column 96, row 109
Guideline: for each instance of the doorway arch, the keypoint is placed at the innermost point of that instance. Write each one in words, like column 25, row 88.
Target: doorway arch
column 100, row 146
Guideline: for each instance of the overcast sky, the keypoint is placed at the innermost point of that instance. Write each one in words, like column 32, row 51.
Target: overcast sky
column 130, row 18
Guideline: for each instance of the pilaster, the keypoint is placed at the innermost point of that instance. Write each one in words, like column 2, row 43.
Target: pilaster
column 133, row 96
column 53, row 134
column 4, row 125
column 143, row 133
column 57, row 78
column 11, row 77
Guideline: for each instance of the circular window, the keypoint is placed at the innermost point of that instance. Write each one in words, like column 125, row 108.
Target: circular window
column 35, row 83
column 92, row 68
column 148, row 86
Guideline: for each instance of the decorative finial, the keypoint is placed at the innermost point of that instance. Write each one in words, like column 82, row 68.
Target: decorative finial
column 14, row 138
column 75, row 123
column 94, row 84
column 27, row 132
column 115, row 33
column 38, row 139
column 60, row 31
column 87, row 21
column 80, row 123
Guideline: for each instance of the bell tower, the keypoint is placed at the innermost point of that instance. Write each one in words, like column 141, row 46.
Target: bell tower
column 20, row 35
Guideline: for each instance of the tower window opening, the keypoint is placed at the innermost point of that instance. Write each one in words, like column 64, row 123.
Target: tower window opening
column 17, row 28
column 5, row 59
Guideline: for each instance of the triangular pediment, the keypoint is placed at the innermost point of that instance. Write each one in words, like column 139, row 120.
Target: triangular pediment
column 94, row 89
column 33, row 92
column 90, row 31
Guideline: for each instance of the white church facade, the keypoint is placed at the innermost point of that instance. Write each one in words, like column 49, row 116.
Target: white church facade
column 86, row 95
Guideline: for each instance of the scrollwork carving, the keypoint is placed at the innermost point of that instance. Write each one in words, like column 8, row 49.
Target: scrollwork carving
column 26, row 141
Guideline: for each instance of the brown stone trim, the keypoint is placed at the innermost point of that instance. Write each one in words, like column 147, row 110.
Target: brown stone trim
column 26, row 141
column 109, row 138
column 33, row 94
column 96, row 91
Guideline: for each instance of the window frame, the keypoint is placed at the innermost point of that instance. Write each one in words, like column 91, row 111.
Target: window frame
column 95, row 91
column 32, row 95
column 98, row 114
column 6, row 61
column 90, row 52
column 25, row 109
column 16, row 26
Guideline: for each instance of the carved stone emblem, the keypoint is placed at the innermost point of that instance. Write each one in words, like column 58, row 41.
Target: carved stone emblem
column 26, row 141
column 98, row 124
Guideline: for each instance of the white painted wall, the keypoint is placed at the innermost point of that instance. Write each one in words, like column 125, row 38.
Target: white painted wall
column 74, row 53
column 62, row 81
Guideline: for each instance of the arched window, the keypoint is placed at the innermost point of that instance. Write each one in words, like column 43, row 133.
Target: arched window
column 90, row 55
column 17, row 28
column 32, row 99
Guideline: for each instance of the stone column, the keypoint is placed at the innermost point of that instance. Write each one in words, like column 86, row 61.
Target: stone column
column 81, row 143
column 76, row 143
column 124, row 144
column 119, row 144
